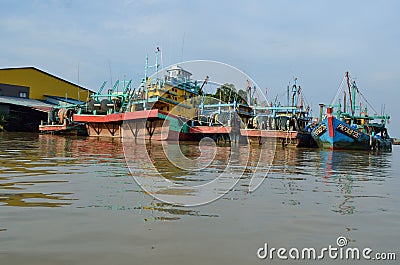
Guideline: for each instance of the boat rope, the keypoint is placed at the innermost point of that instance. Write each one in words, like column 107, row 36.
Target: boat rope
column 339, row 90
column 306, row 101
column 369, row 104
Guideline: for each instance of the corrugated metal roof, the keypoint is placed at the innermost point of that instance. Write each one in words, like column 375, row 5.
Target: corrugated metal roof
column 26, row 102
column 67, row 100
column 46, row 73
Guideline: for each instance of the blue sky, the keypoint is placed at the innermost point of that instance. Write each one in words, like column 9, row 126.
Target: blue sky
column 271, row 41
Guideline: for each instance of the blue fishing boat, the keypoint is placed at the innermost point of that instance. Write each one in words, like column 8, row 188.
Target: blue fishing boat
column 354, row 129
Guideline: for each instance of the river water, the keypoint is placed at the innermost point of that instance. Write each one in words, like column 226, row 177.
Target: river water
column 69, row 200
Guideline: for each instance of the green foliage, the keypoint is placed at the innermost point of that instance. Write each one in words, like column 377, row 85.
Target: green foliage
column 242, row 95
column 227, row 93
column 210, row 99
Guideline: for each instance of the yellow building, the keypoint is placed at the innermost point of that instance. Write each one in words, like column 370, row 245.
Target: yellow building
column 33, row 83
column 27, row 95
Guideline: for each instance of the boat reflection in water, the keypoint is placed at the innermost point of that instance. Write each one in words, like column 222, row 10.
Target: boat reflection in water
column 57, row 171
column 23, row 181
column 187, row 173
column 54, row 171
column 341, row 179
column 76, row 198
column 351, row 173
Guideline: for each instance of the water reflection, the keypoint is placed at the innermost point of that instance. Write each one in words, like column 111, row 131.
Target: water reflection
column 40, row 170
column 34, row 199
column 348, row 173
column 338, row 179
column 193, row 173
column 171, row 213
column 54, row 171
column 74, row 198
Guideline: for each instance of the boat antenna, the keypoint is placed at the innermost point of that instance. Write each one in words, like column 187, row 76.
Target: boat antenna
column 79, row 90
column 161, row 59
column 146, row 67
column 109, row 68
column 183, row 44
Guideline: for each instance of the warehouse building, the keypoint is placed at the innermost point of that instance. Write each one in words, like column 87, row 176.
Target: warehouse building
column 27, row 94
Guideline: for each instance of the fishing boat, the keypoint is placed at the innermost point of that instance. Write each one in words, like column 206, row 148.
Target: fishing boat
column 251, row 123
column 158, row 109
column 59, row 121
column 351, row 127
column 222, row 118
column 221, row 121
column 289, row 125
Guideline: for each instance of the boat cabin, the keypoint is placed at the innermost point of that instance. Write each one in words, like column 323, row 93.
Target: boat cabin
column 175, row 93
column 177, row 75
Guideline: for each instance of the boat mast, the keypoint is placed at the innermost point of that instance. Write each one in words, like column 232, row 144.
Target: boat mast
column 146, row 95
column 248, row 93
column 294, row 91
column 203, row 95
column 350, row 93
column 157, row 65
column 353, row 90
column 288, row 100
